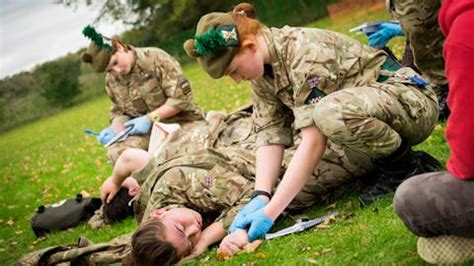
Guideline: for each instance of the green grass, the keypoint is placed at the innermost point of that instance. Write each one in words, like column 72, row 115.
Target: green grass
column 52, row 159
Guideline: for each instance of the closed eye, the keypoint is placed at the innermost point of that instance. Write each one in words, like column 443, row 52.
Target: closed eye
column 190, row 245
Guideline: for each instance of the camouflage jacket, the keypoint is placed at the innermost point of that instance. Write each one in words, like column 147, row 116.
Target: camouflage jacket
column 221, row 130
column 209, row 181
column 155, row 79
column 305, row 61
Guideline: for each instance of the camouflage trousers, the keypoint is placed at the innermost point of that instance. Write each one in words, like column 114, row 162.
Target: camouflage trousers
column 336, row 174
column 419, row 20
column 376, row 118
column 139, row 142
column 82, row 253
column 436, row 204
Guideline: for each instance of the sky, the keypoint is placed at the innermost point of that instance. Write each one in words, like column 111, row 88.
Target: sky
column 36, row 31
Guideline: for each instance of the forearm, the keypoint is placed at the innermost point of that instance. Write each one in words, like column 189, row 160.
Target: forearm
column 166, row 111
column 212, row 234
column 269, row 160
column 305, row 159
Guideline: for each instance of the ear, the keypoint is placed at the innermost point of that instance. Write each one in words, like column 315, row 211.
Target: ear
column 250, row 44
column 157, row 213
column 118, row 45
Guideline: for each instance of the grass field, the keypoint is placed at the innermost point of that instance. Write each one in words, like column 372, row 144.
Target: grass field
column 52, row 159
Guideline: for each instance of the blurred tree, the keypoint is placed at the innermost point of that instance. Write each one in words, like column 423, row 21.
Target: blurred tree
column 60, row 80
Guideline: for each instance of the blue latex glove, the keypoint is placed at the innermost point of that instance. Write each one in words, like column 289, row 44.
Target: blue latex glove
column 106, row 135
column 239, row 221
column 260, row 224
column 141, row 125
column 385, row 32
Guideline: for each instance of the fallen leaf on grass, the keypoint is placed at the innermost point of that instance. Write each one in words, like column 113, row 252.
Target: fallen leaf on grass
column 248, row 248
column 326, row 250
column 222, row 255
column 261, row 255
column 332, row 206
column 205, row 258
column 251, row 247
column 362, row 226
column 1, row 221
column 249, row 264
column 10, row 221
column 311, row 261
column 327, row 222
column 19, row 232
column 38, row 240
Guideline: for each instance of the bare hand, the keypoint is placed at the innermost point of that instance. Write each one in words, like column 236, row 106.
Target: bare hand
column 196, row 252
column 108, row 190
column 234, row 242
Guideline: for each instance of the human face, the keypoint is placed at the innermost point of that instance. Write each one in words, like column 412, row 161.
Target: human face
column 121, row 62
column 246, row 65
column 183, row 228
column 132, row 185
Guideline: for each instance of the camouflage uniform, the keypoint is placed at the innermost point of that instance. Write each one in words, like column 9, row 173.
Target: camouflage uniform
column 155, row 79
column 221, row 180
column 359, row 112
column 419, row 20
column 82, row 253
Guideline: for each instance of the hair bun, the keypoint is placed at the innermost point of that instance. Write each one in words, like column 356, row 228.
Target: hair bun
column 189, row 48
column 86, row 58
column 246, row 9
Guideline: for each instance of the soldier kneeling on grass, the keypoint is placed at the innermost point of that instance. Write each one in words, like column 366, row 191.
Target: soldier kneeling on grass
column 145, row 85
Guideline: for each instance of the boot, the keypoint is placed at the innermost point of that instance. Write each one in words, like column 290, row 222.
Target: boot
column 442, row 93
column 396, row 168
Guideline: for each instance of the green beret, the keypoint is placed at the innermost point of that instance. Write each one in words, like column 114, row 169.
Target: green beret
column 98, row 57
column 215, row 44
column 98, row 53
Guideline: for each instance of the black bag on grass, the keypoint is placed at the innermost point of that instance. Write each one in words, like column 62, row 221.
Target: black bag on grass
column 67, row 213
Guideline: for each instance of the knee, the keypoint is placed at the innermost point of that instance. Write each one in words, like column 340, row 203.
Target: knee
column 405, row 196
column 132, row 155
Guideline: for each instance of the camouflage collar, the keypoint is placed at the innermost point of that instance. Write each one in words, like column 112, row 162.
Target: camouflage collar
column 279, row 71
column 138, row 56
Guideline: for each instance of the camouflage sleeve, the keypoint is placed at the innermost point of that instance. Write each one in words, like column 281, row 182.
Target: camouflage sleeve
column 176, row 87
column 228, row 216
column 313, row 65
column 116, row 113
column 272, row 120
column 167, row 192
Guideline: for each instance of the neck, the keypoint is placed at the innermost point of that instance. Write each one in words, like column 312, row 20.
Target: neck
column 263, row 47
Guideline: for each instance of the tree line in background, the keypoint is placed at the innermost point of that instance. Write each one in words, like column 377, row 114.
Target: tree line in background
column 58, row 84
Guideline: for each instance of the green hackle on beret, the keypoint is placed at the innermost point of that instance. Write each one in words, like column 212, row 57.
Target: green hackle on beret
column 209, row 43
column 98, row 53
column 215, row 43
column 96, row 37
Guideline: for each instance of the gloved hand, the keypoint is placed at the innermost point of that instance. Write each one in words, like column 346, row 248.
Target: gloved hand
column 251, row 207
column 260, row 224
column 385, row 32
column 141, row 125
column 106, row 135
